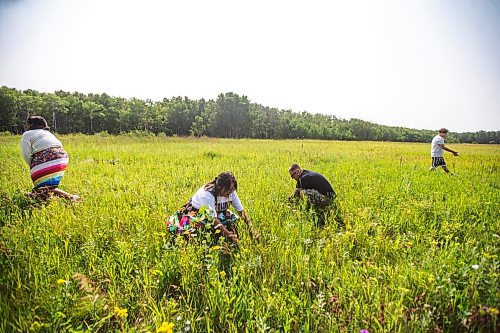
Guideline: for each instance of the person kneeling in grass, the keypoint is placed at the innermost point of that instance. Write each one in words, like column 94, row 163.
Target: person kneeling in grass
column 316, row 190
column 437, row 151
column 215, row 197
column 47, row 159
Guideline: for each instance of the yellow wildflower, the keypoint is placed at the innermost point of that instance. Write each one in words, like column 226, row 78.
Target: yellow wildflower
column 35, row 326
column 163, row 235
column 61, row 281
column 403, row 290
column 222, row 273
column 494, row 311
column 489, row 255
column 120, row 313
column 165, row 327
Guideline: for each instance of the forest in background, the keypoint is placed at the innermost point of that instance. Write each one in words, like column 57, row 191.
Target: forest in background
column 228, row 116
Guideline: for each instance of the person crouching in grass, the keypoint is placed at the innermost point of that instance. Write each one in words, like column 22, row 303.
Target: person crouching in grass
column 47, row 159
column 212, row 199
column 317, row 192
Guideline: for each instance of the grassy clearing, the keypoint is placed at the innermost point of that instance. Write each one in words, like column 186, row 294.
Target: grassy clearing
column 419, row 250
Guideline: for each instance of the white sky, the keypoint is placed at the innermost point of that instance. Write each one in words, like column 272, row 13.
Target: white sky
column 413, row 63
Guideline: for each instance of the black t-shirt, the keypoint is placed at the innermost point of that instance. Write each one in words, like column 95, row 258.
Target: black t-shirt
column 315, row 181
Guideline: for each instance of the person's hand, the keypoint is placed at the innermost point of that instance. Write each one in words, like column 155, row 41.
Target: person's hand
column 233, row 237
column 455, row 153
column 255, row 234
column 293, row 199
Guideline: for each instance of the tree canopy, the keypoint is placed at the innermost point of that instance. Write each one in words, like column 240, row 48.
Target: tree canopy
column 227, row 116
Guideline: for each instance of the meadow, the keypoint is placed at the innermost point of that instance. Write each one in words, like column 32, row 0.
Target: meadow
column 417, row 251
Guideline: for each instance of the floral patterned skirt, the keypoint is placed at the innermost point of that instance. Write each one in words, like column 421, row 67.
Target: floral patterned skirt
column 191, row 222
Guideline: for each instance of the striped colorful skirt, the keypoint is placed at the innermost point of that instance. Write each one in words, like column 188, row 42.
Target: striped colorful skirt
column 48, row 166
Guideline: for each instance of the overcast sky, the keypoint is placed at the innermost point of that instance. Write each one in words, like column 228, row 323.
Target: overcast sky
column 413, row 63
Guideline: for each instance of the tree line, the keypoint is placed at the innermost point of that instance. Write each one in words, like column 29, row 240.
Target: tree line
column 227, row 116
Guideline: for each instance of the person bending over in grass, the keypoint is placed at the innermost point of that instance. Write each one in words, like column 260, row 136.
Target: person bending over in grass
column 315, row 189
column 47, row 159
column 437, row 151
column 216, row 196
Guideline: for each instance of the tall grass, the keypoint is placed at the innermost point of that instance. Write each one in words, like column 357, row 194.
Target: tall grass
column 418, row 251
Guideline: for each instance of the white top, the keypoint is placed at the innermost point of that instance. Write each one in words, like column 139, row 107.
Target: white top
column 37, row 140
column 436, row 150
column 203, row 197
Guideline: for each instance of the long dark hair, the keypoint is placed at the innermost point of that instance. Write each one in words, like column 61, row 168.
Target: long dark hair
column 222, row 181
column 37, row 122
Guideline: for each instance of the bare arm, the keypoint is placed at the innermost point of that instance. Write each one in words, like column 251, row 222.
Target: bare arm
column 243, row 213
column 450, row 150
column 295, row 194
column 246, row 217
column 224, row 230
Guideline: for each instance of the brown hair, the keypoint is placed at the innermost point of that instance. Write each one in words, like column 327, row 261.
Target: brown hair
column 294, row 166
column 223, row 180
column 37, row 122
column 443, row 130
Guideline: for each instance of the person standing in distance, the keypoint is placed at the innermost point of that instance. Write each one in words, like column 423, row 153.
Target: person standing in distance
column 437, row 151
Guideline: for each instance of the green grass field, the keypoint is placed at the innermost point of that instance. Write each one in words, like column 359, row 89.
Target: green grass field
column 419, row 251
